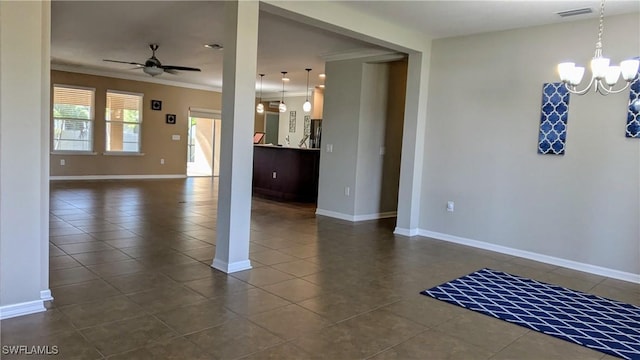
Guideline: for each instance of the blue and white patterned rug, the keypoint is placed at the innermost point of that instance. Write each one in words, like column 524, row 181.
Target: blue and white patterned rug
column 605, row 325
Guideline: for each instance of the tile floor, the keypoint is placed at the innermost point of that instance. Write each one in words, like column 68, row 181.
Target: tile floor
column 131, row 279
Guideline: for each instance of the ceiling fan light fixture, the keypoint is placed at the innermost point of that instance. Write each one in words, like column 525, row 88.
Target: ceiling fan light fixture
column 152, row 70
column 152, row 65
column 214, row 46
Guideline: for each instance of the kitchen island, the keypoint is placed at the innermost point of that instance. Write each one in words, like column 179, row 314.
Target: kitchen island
column 286, row 173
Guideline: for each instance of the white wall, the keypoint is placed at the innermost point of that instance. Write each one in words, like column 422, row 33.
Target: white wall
column 340, row 125
column 340, row 18
column 371, row 136
column 357, row 116
column 24, row 109
column 293, row 104
column 481, row 138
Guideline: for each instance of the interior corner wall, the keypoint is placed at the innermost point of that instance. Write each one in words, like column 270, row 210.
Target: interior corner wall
column 157, row 142
column 340, row 124
column 24, row 58
column 371, row 139
column 363, row 123
column 481, row 140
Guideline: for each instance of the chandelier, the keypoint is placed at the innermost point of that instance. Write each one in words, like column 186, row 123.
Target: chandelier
column 603, row 76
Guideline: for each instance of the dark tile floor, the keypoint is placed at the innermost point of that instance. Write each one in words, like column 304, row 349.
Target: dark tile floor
column 131, row 279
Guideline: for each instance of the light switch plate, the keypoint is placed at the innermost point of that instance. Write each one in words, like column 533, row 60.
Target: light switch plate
column 175, row 137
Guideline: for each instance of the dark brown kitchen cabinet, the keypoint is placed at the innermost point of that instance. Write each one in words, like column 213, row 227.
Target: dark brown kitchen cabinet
column 286, row 174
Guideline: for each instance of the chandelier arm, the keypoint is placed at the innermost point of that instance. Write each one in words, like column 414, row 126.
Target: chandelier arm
column 572, row 88
column 606, row 90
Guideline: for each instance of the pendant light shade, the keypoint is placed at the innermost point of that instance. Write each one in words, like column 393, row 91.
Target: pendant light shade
column 282, row 107
column 306, row 107
column 260, row 106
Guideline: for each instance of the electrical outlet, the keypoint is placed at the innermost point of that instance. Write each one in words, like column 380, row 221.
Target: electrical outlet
column 274, row 175
column 347, row 191
column 161, row 161
column 450, row 206
column 62, row 162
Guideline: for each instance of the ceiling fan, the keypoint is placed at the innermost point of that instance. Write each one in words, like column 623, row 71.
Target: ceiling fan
column 153, row 66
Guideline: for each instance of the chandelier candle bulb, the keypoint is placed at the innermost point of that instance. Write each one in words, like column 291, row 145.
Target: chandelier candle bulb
column 599, row 67
column 629, row 69
column 612, row 76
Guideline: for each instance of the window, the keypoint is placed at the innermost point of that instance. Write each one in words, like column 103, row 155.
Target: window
column 73, row 110
column 123, row 122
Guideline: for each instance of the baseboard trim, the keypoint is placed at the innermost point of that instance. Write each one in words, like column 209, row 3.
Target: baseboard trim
column 20, row 309
column 355, row 218
column 231, row 267
column 593, row 269
column 383, row 215
column 405, row 232
column 45, row 295
column 117, row 177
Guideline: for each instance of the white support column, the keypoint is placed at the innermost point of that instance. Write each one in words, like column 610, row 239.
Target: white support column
column 24, row 115
column 415, row 118
column 236, row 162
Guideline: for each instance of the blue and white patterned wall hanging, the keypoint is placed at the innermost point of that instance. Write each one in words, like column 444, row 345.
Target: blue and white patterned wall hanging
column 553, row 120
column 633, row 112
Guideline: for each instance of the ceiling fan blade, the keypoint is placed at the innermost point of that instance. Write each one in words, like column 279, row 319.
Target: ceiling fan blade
column 170, row 71
column 183, row 68
column 125, row 62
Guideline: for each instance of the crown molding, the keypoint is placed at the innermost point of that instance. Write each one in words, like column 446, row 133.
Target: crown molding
column 117, row 75
column 384, row 55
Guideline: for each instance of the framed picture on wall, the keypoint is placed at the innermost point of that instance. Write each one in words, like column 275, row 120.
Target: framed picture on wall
column 156, row 105
column 292, row 121
column 171, row 118
column 307, row 125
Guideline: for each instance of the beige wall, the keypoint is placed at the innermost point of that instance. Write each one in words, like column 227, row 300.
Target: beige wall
column 318, row 103
column 157, row 140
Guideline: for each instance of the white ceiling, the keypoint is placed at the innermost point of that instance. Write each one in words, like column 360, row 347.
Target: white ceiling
column 447, row 18
column 85, row 32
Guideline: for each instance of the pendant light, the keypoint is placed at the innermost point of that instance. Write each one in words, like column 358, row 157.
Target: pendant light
column 282, row 107
column 306, row 107
column 260, row 107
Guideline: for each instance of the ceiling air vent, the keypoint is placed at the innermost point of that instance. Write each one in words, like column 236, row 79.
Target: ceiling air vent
column 574, row 12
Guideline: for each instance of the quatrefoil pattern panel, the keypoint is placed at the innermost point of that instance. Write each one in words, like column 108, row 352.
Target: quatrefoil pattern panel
column 553, row 120
column 633, row 112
